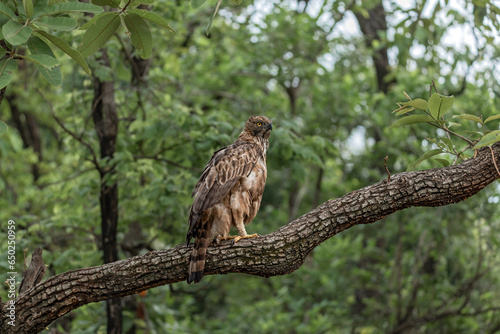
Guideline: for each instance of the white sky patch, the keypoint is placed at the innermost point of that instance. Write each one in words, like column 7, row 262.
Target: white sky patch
column 357, row 143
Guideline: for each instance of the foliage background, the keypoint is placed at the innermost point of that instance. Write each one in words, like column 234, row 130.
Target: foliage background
column 308, row 66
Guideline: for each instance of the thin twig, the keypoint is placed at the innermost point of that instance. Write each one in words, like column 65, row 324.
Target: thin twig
column 66, row 179
column 433, row 85
column 488, row 309
column 457, row 155
column 470, row 142
column 80, row 140
column 173, row 163
column 387, row 169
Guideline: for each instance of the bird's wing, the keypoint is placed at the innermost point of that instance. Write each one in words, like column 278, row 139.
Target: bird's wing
column 220, row 175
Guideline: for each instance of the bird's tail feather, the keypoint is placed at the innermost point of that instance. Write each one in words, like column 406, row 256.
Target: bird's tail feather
column 194, row 223
column 198, row 254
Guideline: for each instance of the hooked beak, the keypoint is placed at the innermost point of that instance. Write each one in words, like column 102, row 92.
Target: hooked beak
column 270, row 126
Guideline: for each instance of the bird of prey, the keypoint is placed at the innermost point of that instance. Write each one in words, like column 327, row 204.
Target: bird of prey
column 229, row 192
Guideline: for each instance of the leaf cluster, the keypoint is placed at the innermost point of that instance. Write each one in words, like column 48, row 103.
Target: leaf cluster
column 35, row 27
column 432, row 112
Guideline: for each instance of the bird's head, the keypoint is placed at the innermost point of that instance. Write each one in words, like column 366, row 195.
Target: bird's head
column 259, row 126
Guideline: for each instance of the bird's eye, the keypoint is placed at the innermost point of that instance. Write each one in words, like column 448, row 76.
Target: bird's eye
column 259, row 124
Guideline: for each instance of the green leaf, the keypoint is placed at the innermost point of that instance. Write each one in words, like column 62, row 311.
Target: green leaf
column 52, row 75
column 469, row 117
column 67, row 7
column 207, row 32
column 111, row 3
column 57, row 23
column 488, row 139
column 412, row 119
column 136, row 3
column 39, row 7
column 404, row 111
column 5, row 10
column 153, row 17
column 479, row 133
column 197, row 3
column 448, row 143
column 417, row 103
column 92, row 21
column 443, row 162
column 61, row 44
column 28, row 7
column 16, row 33
column 43, row 60
column 425, row 156
column 491, row 118
column 139, row 34
column 3, row 127
column 451, row 124
column 38, row 47
column 99, row 33
column 237, row 2
column 7, row 67
column 20, row 13
column 439, row 104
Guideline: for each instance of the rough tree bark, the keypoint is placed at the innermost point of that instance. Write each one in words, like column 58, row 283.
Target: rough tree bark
column 278, row 253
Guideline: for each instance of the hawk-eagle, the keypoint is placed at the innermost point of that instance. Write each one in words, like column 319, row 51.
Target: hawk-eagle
column 228, row 192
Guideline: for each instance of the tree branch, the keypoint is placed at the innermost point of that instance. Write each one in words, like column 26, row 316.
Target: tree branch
column 81, row 141
column 470, row 142
column 278, row 253
column 71, row 177
column 170, row 162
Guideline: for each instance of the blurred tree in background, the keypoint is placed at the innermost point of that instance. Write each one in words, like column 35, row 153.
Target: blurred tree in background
column 328, row 73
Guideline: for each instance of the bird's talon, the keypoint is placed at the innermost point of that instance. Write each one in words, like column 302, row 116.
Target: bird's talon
column 236, row 239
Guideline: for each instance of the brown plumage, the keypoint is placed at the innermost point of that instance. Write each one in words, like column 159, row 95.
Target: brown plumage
column 228, row 192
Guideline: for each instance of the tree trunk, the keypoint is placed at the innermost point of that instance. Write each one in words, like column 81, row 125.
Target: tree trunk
column 106, row 124
column 278, row 253
column 372, row 28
